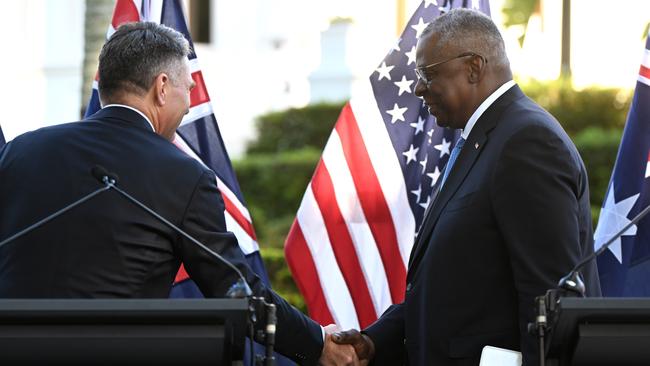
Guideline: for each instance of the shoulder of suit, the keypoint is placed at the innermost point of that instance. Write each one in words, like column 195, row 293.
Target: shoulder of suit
column 524, row 113
column 188, row 164
column 162, row 150
column 48, row 132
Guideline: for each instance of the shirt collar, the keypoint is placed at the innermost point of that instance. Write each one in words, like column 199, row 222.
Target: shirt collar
column 133, row 109
column 486, row 103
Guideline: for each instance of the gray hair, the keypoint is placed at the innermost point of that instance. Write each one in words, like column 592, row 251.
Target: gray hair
column 135, row 54
column 471, row 31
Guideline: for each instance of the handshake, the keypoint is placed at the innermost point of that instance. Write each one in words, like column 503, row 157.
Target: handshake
column 346, row 348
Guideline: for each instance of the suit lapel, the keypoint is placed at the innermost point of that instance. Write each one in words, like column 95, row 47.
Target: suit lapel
column 463, row 165
column 473, row 147
column 425, row 220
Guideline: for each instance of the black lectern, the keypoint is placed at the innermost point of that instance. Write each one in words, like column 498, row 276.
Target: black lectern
column 123, row 332
column 600, row 331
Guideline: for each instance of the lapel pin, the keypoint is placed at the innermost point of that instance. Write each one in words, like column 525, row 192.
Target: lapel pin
column 476, row 145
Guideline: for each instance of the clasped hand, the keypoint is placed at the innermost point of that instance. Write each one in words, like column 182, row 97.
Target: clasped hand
column 349, row 348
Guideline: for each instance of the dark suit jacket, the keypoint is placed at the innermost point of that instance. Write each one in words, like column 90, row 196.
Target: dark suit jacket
column 512, row 218
column 107, row 247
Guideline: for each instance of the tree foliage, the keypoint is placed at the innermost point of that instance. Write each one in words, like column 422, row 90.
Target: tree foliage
column 577, row 110
column 295, row 128
column 517, row 13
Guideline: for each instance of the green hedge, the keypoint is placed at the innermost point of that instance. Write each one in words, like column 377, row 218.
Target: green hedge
column 598, row 149
column 577, row 110
column 273, row 185
column 281, row 278
column 295, row 128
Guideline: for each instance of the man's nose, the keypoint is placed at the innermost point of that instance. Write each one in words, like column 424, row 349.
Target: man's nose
column 420, row 88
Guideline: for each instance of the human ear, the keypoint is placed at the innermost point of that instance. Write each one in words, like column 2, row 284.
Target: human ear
column 476, row 69
column 161, row 85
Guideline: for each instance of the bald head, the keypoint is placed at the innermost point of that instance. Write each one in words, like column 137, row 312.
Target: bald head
column 462, row 30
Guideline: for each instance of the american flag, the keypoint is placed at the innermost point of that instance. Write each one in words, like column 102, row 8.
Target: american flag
column 198, row 135
column 350, row 243
column 624, row 269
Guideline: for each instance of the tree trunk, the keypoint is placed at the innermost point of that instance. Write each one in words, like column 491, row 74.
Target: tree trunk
column 565, row 71
column 97, row 18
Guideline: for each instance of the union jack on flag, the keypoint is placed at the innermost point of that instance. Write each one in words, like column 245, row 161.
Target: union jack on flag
column 198, row 135
column 350, row 243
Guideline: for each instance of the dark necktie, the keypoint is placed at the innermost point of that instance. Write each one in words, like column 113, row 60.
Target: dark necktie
column 452, row 159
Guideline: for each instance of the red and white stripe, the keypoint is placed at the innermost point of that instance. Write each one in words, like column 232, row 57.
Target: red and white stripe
column 200, row 105
column 125, row 11
column 644, row 70
column 349, row 246
column 238, row 219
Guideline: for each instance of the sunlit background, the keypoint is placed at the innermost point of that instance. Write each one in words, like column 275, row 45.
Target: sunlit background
column 264, row 55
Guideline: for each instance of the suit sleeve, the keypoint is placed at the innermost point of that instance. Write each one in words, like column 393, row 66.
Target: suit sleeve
column 537, row 182
column 297, row 336
column 387, row 333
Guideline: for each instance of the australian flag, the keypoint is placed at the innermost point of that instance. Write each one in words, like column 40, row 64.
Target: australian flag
column 198, row 136
column 625, row 268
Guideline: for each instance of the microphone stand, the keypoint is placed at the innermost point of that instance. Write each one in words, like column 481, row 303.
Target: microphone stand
column 570, row 285
column 239, row 289
column 51, row 217
column 267, row 336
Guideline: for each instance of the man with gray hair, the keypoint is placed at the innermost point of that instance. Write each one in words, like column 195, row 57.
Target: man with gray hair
column 106, row 247
column 509, row 216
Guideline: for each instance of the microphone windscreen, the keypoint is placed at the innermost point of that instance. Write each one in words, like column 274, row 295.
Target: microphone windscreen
column 99, row 172
column 114, row 177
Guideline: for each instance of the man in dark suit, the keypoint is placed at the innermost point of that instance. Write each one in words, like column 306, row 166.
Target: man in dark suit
column 510, row 216
column 107, row 247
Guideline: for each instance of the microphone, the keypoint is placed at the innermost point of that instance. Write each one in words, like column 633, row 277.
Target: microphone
column 52, row 216
column 239, row 289
column 101, row 174
column 569, row 285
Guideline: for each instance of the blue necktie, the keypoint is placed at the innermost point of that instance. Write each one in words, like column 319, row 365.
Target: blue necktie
column 452, row 159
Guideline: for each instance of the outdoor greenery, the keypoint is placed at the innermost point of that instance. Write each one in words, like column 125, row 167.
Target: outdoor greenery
column 278, row 165
column 273, row 185
column 295, row 128
column 604, row 108
column 517, row 13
